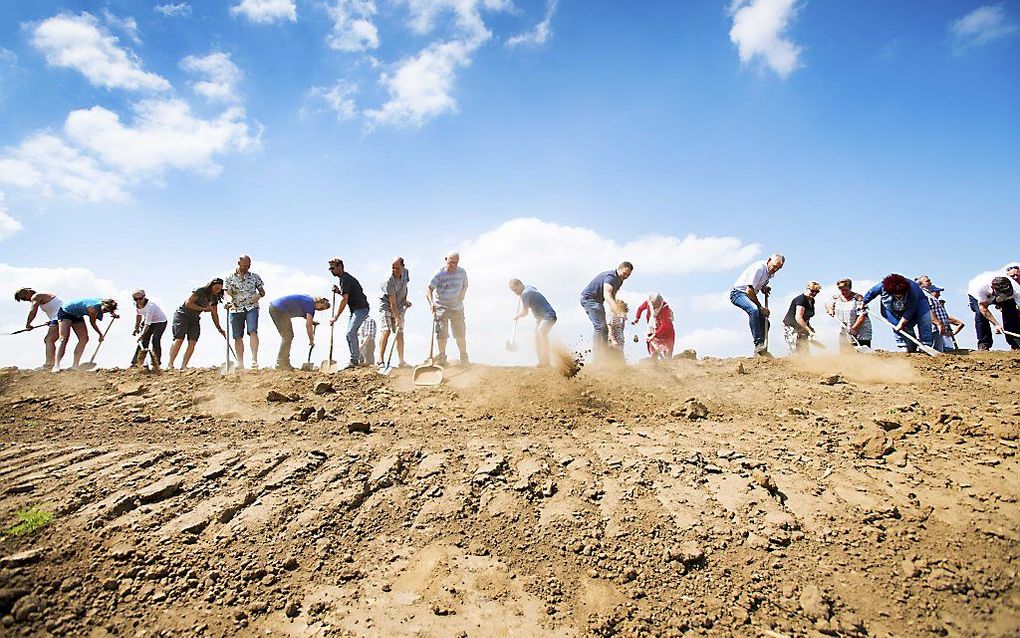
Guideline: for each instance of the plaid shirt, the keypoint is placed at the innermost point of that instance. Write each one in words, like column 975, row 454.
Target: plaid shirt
column 367, row 329
column 938, row 311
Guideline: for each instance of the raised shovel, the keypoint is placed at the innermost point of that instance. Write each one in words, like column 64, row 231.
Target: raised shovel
column 91, row 363
column 429, row 373
column 928, row 350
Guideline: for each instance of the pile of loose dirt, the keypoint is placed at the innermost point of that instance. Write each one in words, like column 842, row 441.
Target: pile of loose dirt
column 873, row 495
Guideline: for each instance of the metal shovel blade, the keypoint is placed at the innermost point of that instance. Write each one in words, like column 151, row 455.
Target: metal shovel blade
column 329, row 367
column 227, row 367
column 427, row 374
column 511, row 346
column 88, row 365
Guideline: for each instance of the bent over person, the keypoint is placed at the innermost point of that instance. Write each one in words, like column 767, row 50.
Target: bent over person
column 905, row 306
column 72, row 317
column 755, row 279
column 450, row 286
column 599, row 291
column 545, row 316
column 150, row 323
column 797, row 323
column 187, row 319
column 283, row 311
column 1003, row 294
column 49, row 303
column 392, row 305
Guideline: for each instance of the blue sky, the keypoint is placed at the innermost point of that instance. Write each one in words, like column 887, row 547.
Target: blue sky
column 859, row 138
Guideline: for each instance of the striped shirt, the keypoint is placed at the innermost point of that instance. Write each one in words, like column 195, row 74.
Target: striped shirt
column 449, row 287
column 847, row 313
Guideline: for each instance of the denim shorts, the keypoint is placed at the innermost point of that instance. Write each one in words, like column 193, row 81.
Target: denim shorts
column 66, row 316
column 239, row 319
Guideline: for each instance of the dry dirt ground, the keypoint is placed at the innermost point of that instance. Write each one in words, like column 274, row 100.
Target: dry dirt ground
column 869, row 495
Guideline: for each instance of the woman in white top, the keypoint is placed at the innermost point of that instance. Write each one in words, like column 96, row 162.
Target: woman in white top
column 150, row 322
column 49, row 304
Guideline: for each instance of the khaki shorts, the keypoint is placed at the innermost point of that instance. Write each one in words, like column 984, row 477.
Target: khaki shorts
column 445, row 319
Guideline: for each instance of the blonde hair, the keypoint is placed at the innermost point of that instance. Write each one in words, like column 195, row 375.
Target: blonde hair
column 814, row 286
column 844, row 282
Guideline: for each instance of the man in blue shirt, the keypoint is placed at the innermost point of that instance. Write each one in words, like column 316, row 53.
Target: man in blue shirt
column 285, row 309
column 905, row 306
column 602, row 289
column 450, row 287
column 533, row 300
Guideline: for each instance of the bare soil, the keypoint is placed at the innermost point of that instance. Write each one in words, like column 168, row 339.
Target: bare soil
column 867, row 495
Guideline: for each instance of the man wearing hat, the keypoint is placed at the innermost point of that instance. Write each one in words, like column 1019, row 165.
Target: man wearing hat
column 1003, row 293
column 944, row 326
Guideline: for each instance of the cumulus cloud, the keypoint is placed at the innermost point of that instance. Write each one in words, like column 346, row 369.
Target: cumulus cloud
column 338, row 98
column 758, row 32
column 981, row 26
column 173, row 9
column 79, row 42
column 266, row 11
column 47, row 164
column 353, row 29
column 221, row 76
column 164, row 134
column 8, row 225
column 538, row 35
column 128, row 25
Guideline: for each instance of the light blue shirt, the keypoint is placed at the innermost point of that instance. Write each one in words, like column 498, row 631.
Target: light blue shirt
column 449, row 287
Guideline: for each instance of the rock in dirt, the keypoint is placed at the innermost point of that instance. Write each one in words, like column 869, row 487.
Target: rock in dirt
column 132, row 389
column 873, row 444
column 689, row 553
column 687, row 354
column 9, row 596
column 814, row 604
column 324, row 387
column 279, row 397
column 832, row 379
column 888, row 425
column 691, row 408
column 26, row 607
column 360, row 427
column 26, row 557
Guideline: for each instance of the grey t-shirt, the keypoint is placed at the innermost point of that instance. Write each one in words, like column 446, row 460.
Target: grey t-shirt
column 394, row 286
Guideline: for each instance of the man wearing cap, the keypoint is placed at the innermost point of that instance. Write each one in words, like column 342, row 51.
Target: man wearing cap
column 150, row 323
column 245, row 289
column 1003, row 293
column 942, row 323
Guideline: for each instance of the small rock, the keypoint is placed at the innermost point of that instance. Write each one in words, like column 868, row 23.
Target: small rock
column 25, row 607
column 324, row 387
column 279, row 397
column 22, row 558
column 813, row 603
column 258, row 607
column 887, row 425
column 873, row 444
column 361, row 427
column 833, row 379
column 292, row 609
column 688, row 354
column 132, row 389
column 305, row 413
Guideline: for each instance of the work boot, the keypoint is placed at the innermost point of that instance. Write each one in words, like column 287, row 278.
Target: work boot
column 441, row 360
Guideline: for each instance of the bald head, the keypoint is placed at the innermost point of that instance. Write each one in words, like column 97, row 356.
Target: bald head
column 243, row 264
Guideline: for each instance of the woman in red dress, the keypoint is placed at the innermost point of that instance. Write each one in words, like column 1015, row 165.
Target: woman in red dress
column 660, row 326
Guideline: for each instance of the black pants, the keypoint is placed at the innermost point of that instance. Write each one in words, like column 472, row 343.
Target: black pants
column 1010, row 323
column 152, row 334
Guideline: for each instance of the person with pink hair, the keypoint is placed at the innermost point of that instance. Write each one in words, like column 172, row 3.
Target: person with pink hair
column 660, row 336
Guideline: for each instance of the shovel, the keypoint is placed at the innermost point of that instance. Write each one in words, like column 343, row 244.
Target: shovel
column 17, row 332
column 308, row 366
column 768, row 324
column 429, row 373
column 228, row 365
column 928, row 350
column 853, row 340
column 91, row 363
column 511, row 345
column 330, row 366
column 393, row 346
column 1011, row 334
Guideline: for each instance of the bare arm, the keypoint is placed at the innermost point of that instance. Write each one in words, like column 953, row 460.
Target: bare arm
column 753, row 296
column 216, row 318
column 138, row 324
column 983, row 307
column 610, row 295
column 339, row 309
column 93, row 313
column 192, row 304
column 262, row 292
column 32, row 311
column 310, row 328
column 428, row 297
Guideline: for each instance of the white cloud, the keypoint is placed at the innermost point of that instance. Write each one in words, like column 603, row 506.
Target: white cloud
column 222, row 76
column 981, row 26
column 339, row 98
column 538, row 35
column 128, row 25
column 164, row 134
column 8, row 225
column 48, row 164
column 266, row 11
column 758, row 31
column 78, row 42
column 985, row 278
column 173, row 9
column 353, row 29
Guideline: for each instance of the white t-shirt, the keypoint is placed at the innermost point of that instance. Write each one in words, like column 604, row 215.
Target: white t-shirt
column 756, row 276
column 984, row 293
column 151, row 313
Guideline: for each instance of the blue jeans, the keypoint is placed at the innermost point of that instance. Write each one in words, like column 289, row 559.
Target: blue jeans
column 597, row 314
column 981, row 326
column 357, row 318
column 920, row 329
column 238, row 321
column 756, row 318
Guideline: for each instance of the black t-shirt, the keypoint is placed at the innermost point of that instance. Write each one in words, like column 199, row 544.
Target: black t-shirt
column 809, row 311
column 356, row 299
column 204, row 297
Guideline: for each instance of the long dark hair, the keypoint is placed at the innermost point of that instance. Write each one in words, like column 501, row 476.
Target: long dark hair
column 218, row 297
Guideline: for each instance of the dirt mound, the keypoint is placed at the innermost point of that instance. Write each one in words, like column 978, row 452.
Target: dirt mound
column 858, row 496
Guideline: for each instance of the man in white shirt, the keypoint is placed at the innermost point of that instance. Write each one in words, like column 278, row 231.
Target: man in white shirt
column 744, row 295
column 1004, row 294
